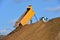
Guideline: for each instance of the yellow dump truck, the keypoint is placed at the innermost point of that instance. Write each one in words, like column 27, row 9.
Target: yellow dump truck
column 26, row 17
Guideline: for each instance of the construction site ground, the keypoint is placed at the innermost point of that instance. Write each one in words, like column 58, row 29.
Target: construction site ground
column 37, row 31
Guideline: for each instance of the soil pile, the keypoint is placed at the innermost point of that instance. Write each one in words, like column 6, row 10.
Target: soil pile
column 37, row 31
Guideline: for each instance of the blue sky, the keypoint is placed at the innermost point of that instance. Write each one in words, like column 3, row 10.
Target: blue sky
column 11, row 10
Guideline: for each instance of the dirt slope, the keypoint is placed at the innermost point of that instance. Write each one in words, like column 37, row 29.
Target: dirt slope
column 37, row 31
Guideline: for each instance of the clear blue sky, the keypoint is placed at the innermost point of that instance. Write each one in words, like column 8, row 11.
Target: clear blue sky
column 11, row 10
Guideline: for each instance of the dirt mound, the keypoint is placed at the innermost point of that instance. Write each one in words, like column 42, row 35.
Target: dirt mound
column 37, row 31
